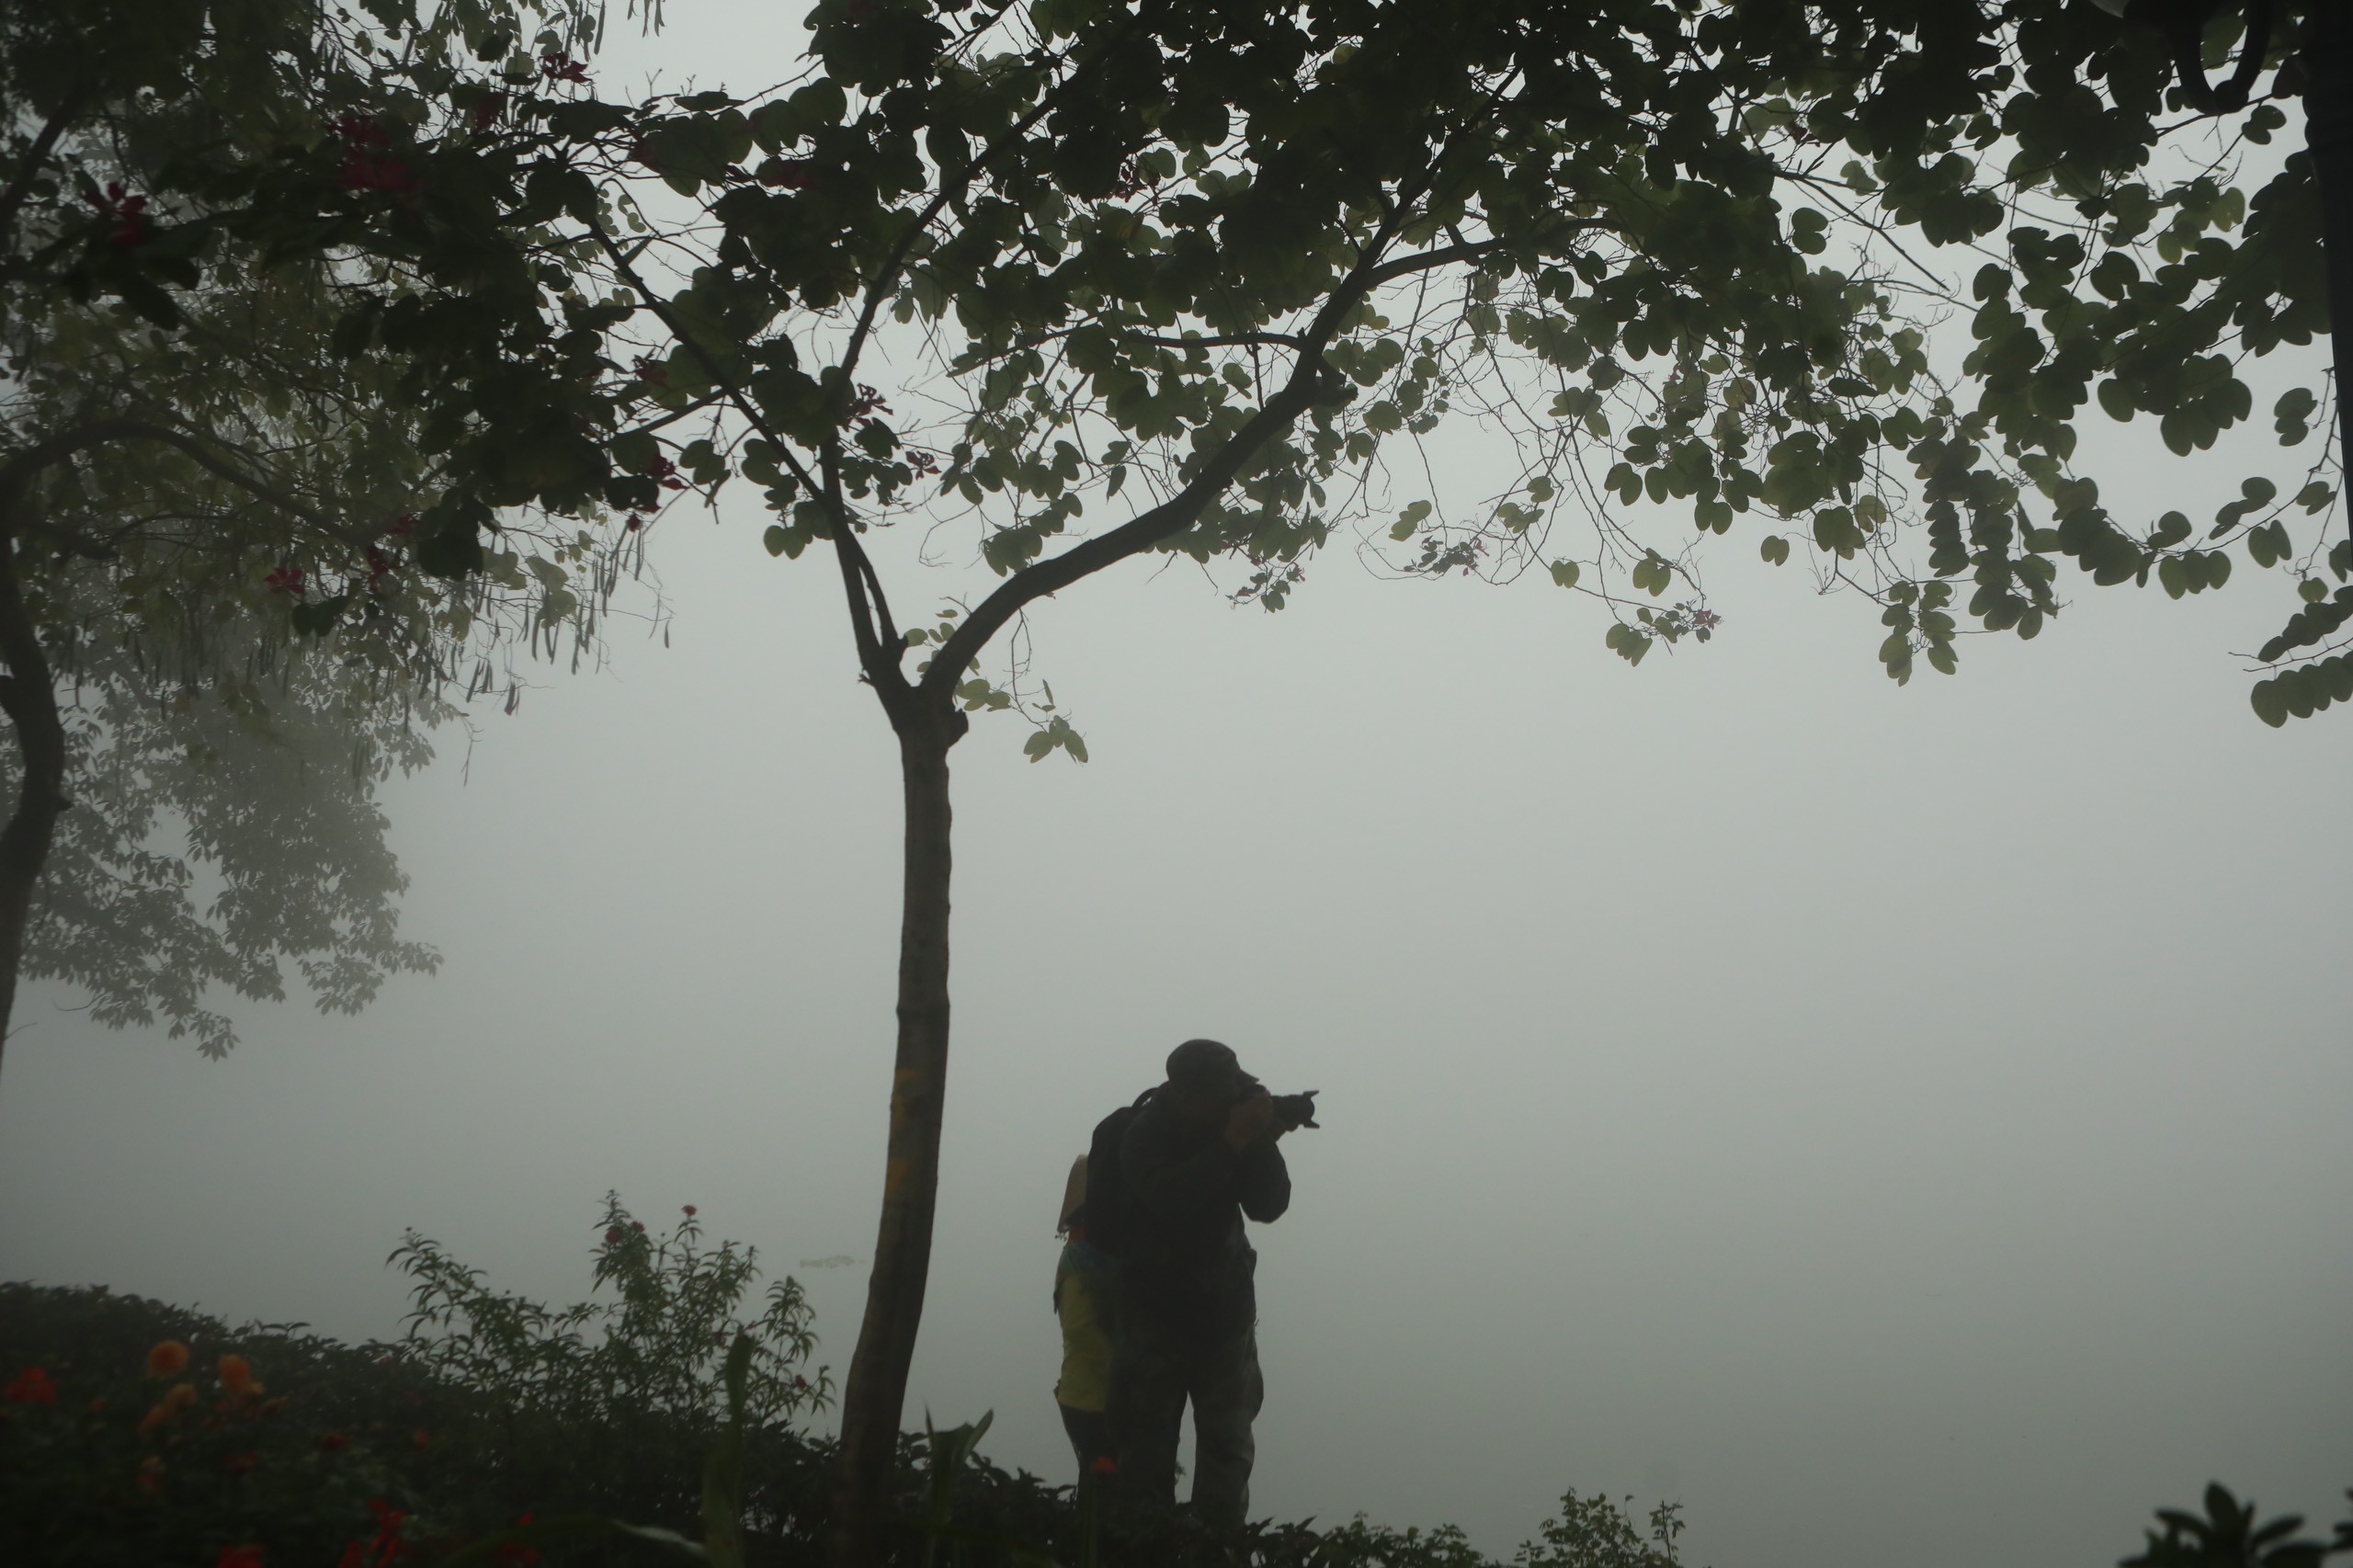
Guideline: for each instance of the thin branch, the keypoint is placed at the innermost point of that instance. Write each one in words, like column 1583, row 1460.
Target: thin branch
column 12, row 200
column 1467, row 250
column 1226, row 340
column 856, row 571
column 1140, row 533
column 885, row 275
column 18, row 474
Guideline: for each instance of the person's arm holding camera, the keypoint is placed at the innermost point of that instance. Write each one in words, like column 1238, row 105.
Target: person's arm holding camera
column 1262, row 1180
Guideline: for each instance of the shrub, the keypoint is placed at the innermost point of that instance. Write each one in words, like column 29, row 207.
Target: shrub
column 492, row 1407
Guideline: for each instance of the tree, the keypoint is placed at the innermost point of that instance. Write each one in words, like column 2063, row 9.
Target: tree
column 253, row 550
column 1200, row 267
column 1203, row 268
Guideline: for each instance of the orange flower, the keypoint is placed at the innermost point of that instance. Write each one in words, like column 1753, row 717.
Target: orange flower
column 236, row 1376
column 421, row 1438
column 150, row 1473
column 179, row 1397
column 32, row 1386
column 242, row 1464
column 167, row 1359
column 333, row 1442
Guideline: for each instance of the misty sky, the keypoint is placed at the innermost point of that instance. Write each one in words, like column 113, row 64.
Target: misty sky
column 1905, row 1125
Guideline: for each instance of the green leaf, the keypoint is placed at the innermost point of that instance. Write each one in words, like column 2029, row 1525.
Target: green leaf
column 1774, row 550
column 1565, row 573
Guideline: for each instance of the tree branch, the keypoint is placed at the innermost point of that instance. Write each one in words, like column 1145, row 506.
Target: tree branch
column 1466, row 250
column 16, row 474
column 12, row 200
column 1307, row 385
column 885, row 275
column 1227, row 340
column 857, row 572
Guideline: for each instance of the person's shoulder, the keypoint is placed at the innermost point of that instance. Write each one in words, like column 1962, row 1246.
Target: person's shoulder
column 1155, row 1125
column 1151, row 1112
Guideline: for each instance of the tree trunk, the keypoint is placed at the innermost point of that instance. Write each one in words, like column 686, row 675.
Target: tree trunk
column 28, row 696
column 875, row 1390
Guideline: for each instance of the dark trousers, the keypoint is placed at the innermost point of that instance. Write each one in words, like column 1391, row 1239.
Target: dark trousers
column 1154, row 1374
column 1091, row 1437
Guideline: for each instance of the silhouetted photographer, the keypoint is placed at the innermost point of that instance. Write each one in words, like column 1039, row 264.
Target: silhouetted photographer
column 1191, row 1158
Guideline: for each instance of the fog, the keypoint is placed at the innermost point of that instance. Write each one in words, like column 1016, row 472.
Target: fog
column 1906, row 1126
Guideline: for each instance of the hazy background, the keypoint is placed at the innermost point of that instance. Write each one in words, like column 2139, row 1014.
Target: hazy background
column 1906, row 1125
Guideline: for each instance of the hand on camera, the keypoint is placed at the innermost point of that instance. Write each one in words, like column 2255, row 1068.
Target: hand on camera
column 1252, row 1121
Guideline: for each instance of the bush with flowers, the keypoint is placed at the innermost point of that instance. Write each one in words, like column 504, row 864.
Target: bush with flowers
column 135, row 1433
column 498, row 1432
column 171, row 1457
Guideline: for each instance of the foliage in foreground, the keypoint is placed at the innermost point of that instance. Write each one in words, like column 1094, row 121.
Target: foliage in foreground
column 501, row 1431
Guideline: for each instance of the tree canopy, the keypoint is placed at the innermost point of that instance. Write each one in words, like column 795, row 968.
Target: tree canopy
column 222, row 523
column 1075, row 281
column 1048, row 286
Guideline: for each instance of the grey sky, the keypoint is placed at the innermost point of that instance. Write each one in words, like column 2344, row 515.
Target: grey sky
column 1906, row 1125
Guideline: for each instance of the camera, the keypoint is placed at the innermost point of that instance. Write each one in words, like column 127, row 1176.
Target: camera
column 1295, row 1112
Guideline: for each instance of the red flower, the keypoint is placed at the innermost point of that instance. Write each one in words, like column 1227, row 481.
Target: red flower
column 384, row 1546
column 131, row 223
column 403, row 526
column 287, row 580
column 667, row 473
column 242, row 1464
column 563, row 68
column 359, row 131
column 421, row 1440
column 379, row 566
column 333, row 1442
column 487, row 109
column 689, row 1210
column 636, row 1224
column 1104, row 1465
column 515, row 1553
column 368, row 164
column 238, row 1557
column 363, row 172
column 31, row 1386
column 628, row 525
column 613, row 1234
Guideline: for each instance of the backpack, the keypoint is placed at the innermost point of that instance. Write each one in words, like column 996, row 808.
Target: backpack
column 1105, row 1211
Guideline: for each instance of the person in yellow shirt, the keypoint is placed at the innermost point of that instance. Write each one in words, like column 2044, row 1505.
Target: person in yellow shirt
column 1085, row 1296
